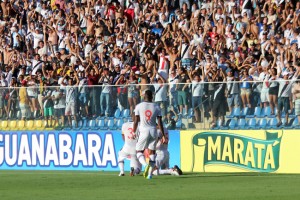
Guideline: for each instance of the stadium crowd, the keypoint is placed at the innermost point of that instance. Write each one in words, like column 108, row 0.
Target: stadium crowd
column 86, row 58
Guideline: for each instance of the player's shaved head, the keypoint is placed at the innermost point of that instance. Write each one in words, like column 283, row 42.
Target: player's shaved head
column 148, row 96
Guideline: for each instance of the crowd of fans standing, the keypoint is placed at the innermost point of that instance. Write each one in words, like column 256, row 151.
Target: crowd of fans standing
column 100, row 55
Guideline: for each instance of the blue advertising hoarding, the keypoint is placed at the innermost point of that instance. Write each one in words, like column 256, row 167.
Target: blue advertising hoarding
column 72, row 150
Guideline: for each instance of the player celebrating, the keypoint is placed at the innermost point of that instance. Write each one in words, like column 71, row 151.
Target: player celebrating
column 162, row 153
column 128, row 150
column 163, row 156
column 176, row 171
column 146, row 114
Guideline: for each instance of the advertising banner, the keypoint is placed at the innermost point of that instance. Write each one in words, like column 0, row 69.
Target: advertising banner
column 240, row 151
column 72, row 150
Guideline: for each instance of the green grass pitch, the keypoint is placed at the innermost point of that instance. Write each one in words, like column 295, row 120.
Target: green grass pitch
column 74, row 185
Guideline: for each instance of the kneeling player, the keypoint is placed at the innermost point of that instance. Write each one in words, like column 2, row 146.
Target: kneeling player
column 128, row 150
column 163, row 156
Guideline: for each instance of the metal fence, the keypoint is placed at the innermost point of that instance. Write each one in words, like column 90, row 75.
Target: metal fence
column 196, row 105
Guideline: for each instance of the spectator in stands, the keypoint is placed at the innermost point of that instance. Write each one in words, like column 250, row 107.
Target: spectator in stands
column 59, row 99
column 24, row 100
column 48, row 104
column 111, row 43
column 71, row 97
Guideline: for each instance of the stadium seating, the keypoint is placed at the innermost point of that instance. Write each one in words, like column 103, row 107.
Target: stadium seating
column 232, row 124
column 84, row 124
column 234, row 113
column 251, row 124
column 272, row 123
column 117, row 114
column 92, row 124
column 218, row 125
column 275, row 113
column 38, row 124
column 241, row 123
column 262, row 123
column 265, row 112
column 294, row 123
column 4, row 125
column 79, row 125
column 119, row 124
column 257, row 111
column 101, row 125
column 245, row 112
column 126, row 113
column 111, row 124
column 20, row 125
column 12, row 124
column 29, row 125
column 179, row 124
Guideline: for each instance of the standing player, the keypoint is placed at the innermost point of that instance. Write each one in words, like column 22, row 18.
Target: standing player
column 146, row 114
column 128, row 150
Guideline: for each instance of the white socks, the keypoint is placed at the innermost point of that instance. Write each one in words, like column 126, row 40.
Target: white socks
column 163, row 172
column 121, row 166
column 140, row 156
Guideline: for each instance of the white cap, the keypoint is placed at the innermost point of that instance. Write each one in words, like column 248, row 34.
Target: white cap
column 285, row 73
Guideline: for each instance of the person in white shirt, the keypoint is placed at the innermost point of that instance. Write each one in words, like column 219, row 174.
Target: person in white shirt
column 284, row 94
column 163, row 158
column 71, row 98
column 163, row 66
column 128, row 150
column 37, row 37
column 161, row 93
column 59, row 98
column 197, row 93
column 146, row 114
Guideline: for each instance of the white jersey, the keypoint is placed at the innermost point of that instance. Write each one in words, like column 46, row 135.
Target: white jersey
column 130, row 142
column 159, row 145
column 148, row 112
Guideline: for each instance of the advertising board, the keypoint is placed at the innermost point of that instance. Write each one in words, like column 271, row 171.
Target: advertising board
column 240, row 151
column 72, row 150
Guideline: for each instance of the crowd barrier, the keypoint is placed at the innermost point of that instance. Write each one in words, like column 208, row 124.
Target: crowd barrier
column 107, row 107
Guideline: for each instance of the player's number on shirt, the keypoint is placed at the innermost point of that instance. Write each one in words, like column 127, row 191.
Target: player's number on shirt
column 148, row 114
column 131, row 135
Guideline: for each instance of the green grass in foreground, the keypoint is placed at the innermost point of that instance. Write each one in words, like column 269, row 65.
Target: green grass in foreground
column 43, row 185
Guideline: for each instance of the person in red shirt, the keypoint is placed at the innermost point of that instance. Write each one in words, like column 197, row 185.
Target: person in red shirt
column 92, row 81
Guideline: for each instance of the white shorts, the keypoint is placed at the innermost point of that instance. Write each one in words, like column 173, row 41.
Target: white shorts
column 70, row 109
column 147, row 139
column 24, row 109
column 122, row 155
column 162, row 159
column 264, row 96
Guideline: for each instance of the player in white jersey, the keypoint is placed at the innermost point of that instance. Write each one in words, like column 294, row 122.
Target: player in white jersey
column 162, row 153
column 128, row 150
column 146, row 114
column 163, row 156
